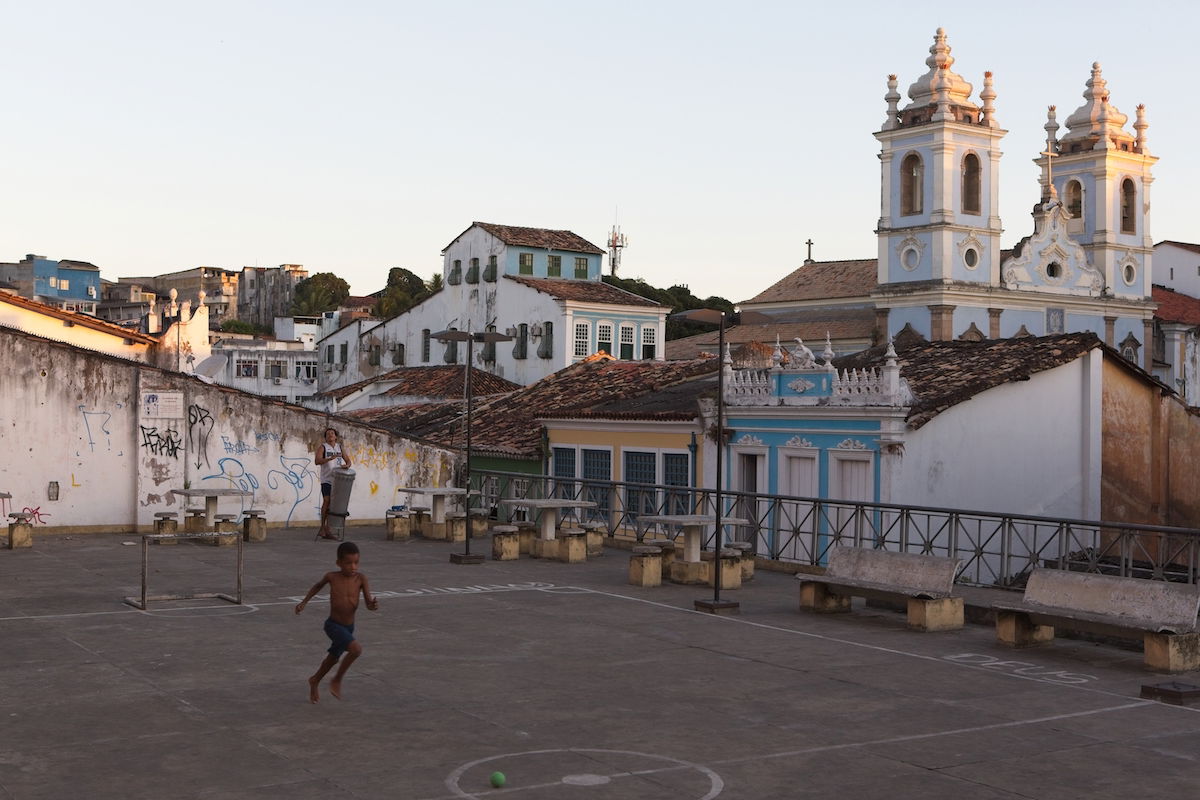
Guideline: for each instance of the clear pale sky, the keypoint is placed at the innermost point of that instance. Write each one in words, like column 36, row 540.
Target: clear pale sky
column 148, row 137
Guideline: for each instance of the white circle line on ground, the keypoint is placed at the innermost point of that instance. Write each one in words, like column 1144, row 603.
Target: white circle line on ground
column 716, row 784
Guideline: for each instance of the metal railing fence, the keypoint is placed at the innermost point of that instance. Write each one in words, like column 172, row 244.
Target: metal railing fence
column 997, row 550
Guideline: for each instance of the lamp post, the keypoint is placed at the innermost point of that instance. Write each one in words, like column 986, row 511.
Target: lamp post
column 470, row 337
column 714, row 316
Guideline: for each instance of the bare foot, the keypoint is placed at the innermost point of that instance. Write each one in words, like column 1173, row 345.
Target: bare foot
column 313, row 695
column 335, row 688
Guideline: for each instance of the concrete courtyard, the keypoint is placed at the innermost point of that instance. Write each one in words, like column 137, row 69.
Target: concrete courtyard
column 563, row 677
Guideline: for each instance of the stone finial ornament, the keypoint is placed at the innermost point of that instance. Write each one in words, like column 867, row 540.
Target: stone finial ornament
column 1140, row 126
column 940, row 77
column 988, row 96
column 893, row 104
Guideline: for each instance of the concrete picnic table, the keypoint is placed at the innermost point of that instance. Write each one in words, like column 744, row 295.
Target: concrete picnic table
column 211, row 496
column 693, row 526
column 547, row 508
column 438, row 495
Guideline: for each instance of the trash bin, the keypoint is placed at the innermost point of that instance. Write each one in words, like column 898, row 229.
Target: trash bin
column 339, row 497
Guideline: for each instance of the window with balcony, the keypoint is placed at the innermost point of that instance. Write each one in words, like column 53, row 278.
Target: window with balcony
column 455, row 276
column 546, row 345
column 521, row 342
column 473, row 271
column 489, row 272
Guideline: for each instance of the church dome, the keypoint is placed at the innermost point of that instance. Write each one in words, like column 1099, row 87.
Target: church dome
column 928, row 89
column 1096, row 118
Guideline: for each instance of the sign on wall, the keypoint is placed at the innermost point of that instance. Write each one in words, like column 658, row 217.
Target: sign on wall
column 164, row 405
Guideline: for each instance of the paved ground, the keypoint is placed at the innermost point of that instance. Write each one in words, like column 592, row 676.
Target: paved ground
column 565, row 678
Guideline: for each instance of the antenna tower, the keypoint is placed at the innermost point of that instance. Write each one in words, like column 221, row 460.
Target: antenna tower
column 616, row 242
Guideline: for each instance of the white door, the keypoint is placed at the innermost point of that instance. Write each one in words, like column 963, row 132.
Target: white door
column 796, row 525
column 851, row 482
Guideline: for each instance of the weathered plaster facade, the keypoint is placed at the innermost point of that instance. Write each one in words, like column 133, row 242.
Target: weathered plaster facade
column 116, row 436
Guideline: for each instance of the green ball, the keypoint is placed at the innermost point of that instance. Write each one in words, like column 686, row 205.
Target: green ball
column 497, row 779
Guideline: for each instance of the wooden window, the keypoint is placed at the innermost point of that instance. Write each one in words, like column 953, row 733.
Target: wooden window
column 425, row 345
column 554, row 266
column 604, row 338
column 583, row 333
column 649, row 340
column 581, row 268
column 525, row 263
column 627, row 342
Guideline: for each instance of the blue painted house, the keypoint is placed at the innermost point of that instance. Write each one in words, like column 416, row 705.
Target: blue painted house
column 66, row 284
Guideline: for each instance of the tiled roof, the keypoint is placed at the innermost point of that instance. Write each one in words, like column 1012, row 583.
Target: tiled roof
column 839, row 324
column 677, row 402
column 944, row 374
column 1175, row 306
column 441, row 381
column 1195, row 248
column 507, row 425
column 584, row 291
column 355, row 301
column 83, row 320
column 542, row 238
column 823, row 280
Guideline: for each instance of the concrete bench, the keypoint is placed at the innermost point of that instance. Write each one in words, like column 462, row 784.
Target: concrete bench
column 254, row 525
column 398, row 525
column 667, row 547
column 166, row 522
column 595, row 538
column 527, row 531
column 572, row 545
column 645, row 566
column 419, row 520
column 20, row 530
column 925, row 582
column 477, row 524
column 506, row 543
column 456, row 526
column 731, row 569
column 746, row 558
column 1162, row 614
column 196, row 520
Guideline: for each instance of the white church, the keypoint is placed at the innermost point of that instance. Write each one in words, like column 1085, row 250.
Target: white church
column 940, row 270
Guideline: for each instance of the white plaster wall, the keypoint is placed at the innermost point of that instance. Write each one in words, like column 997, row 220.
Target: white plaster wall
column 55, row 328
column 77, row 418
column 1186, row 265
column 1018, row 448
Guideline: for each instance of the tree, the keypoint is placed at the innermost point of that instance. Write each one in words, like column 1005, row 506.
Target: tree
column 238, row 326
column 404, row 290
column 678, row 297
column 319, row 293
column 434, row 284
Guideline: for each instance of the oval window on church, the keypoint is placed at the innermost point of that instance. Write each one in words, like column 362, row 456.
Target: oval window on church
column 1054, row 270
column 1129, row 273
column 971, row 258
column 911, row 258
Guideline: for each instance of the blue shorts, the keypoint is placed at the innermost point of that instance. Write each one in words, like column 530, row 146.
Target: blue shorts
column 341, row 636
column 326, row 489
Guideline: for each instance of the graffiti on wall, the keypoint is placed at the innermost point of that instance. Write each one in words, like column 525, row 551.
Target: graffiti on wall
column 37, row 516
column 95, row 424
column 237, row 448
column 200, row 425
column 161, row 443
column 238, row 476
column 295, row 473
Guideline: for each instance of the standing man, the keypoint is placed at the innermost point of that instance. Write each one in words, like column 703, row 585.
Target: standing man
column 329, row 456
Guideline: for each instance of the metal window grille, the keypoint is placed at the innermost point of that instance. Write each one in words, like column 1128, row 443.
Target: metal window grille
column 582, row 331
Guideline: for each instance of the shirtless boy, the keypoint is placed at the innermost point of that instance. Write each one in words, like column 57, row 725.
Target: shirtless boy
column 344, row 587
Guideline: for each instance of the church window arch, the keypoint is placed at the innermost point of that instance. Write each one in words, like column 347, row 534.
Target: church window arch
column 912, row 180
column 971, row 175
column 1128, row 206
column 1074, row 199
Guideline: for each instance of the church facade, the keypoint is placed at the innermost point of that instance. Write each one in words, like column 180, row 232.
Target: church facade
column 940, row 269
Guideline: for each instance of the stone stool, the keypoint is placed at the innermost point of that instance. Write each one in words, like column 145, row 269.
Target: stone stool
column 225, row 526
column 254, row 525
column 595, row 538
column 527, row 531
column 645, row 566
column 166, row 522
column 418, row 520
column 747, row 562
column 398, row 525
column 506, row 544
column 572, row 545
column 731, row 569
column 196, row 521
column 667, row 546
column 20, row 530
column 456, row 526
column 477, row 524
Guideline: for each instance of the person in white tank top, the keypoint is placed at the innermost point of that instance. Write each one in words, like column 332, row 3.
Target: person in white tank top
column 329, row 456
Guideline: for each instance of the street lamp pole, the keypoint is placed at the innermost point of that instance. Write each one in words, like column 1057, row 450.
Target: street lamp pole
column 718, row 317
column 470, row 337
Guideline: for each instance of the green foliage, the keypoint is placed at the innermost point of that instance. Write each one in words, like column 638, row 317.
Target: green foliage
column 404, row 290
column 238, row 326
column 434, row 284
column 319, row 293
column 678, row 297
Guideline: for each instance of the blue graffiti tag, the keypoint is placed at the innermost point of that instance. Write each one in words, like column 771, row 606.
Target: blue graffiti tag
column 296, row 474
column 101, row 424
column 238, row 477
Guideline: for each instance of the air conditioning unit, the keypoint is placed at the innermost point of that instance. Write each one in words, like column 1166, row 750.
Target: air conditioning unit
column 395, row 347
column 510, row 331
column 276, row 381
column 329, row 368
column 340, row 367
column 535, row 330
column 91, row 291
